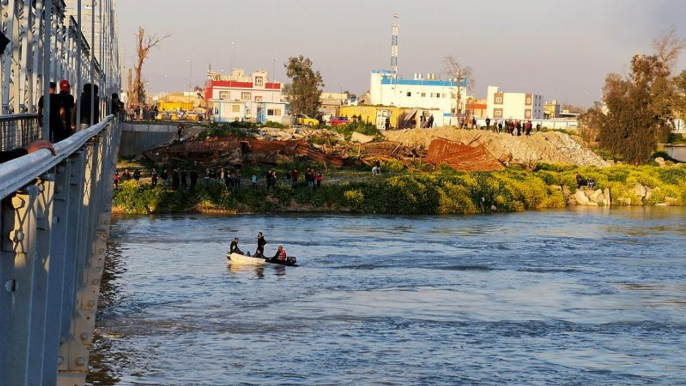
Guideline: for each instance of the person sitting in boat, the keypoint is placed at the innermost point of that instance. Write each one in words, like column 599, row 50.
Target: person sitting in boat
column 280, row 254
column 234, row 247
column 261, row 242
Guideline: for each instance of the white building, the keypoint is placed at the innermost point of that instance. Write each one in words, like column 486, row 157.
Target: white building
column 241, row 97
column 422, row 93
column 519, row 106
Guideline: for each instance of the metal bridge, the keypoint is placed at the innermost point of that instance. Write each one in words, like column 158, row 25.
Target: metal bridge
column 55, row 209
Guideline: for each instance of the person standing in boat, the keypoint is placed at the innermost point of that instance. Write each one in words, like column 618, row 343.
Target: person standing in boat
column 234, row 247
column 261, row 242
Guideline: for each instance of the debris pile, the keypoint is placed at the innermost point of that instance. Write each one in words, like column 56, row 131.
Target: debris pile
column 235, row 151
column 462, row 157
column 465, row 150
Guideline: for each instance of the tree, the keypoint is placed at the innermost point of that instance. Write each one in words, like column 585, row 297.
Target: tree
column 144, row 47
column 680, row 95
column 304, row 91
column 460, row 74
column 668, row 47
column 639, row 108
column 572, row 108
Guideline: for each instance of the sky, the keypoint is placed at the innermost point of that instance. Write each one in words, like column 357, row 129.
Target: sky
column 562, row 49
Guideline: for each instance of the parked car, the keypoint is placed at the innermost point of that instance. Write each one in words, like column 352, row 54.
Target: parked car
column 302, row 119
column 335, row 121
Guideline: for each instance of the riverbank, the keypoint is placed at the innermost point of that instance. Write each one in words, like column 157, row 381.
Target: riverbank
column 443, row 191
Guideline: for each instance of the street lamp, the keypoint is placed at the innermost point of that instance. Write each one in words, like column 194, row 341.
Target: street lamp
column 273, row 68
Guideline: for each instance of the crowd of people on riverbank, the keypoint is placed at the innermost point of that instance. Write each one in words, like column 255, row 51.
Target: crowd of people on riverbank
column 182, row 179
column 513, row 127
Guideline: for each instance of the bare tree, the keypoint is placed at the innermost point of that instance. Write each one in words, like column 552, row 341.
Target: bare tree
column 668, row 47
column 144, row 47
column 572, row 108
column 460, row 74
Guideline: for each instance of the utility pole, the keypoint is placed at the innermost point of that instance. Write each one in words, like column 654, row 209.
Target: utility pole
column 394, row 58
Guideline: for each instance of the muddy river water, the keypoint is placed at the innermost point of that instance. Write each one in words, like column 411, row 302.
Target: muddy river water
column 579, row 296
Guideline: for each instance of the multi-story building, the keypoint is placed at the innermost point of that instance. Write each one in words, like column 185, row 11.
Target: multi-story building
column 241, row 97
column 426, row 94
column 331, row 102
column 552, row 110
column 476, row 108
column 521, row 106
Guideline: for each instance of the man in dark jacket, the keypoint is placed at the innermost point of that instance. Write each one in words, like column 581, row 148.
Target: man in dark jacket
column 261, row 242
column 55, row 114
column 67, row 111
column 234, row 247
column 88, row 96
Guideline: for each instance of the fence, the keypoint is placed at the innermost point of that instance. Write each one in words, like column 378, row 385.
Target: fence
column 17, row 130
column 54, row 218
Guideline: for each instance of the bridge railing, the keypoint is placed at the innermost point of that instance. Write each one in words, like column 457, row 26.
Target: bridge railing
column 54, row 223
column 17, row 130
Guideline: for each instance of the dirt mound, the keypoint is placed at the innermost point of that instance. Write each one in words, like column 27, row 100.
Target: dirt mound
column 548, row 147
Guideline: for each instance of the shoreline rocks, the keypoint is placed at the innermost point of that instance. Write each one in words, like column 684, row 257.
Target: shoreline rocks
column 589, row 197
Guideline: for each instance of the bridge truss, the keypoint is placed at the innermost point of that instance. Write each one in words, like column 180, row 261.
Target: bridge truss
column 54, row 209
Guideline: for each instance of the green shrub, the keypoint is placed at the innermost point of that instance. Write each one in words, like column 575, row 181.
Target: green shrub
column 672, row 175
column 358, row 127
column 237, row 129
column 275, row 125
column 676, row 138
column 354, row 199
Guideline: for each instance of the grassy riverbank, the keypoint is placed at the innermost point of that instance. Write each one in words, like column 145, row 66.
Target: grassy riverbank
column 399, row 191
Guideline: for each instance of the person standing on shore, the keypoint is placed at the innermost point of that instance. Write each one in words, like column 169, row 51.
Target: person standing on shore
column 153, row 177
column 319, row 178
column 194, row 178
column 164, row 176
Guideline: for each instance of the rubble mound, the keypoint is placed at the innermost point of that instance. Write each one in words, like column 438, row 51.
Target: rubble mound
column 547, row 147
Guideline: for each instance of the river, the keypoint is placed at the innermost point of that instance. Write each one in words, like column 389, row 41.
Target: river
column 583, row 296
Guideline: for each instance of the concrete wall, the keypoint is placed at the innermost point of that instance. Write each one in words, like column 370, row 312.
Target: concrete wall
column 678, row 152
column 137, row 138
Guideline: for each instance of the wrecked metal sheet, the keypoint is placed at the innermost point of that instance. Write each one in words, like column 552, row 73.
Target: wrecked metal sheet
column 462, row 157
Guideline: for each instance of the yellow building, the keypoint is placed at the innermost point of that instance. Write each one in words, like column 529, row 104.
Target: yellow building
column 376, row 115
column 552, row 110
column 174, row 106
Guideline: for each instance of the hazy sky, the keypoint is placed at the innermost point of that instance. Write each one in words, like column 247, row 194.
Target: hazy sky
column 562, row 49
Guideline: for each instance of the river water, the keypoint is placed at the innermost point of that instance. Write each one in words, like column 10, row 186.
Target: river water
column 574, row 297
